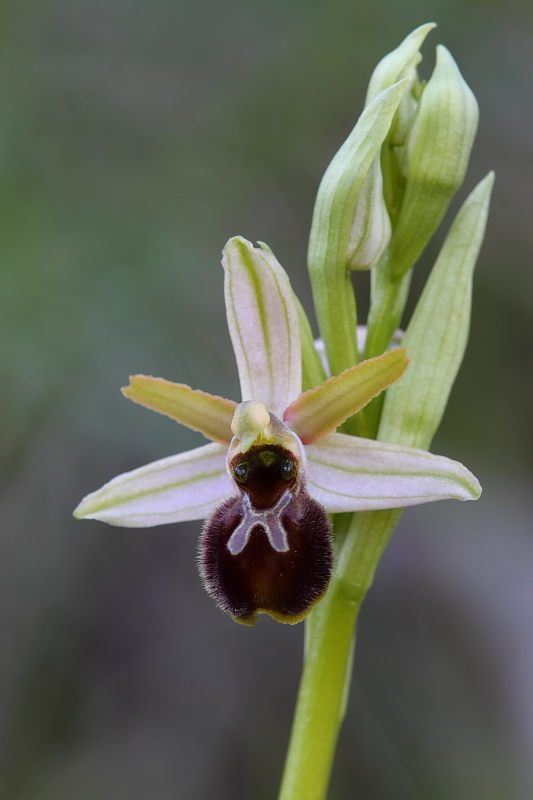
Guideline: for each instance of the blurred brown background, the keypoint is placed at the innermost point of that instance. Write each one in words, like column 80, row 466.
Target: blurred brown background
column 135, row 138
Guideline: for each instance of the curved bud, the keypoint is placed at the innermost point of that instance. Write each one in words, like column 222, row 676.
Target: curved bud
column 401, row 63
column 371, row 229
column 333, row 218
column 398, row 64
column 434, row 159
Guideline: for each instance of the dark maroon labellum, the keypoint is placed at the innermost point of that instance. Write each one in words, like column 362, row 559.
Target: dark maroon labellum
column 269, row 550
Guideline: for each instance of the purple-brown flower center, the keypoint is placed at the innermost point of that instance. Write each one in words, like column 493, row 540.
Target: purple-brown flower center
column 269, row 549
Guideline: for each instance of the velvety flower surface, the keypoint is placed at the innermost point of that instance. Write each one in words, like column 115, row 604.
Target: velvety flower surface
column 275, row 461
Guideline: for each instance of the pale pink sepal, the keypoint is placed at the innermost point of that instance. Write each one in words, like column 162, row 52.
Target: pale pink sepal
column 346, row 473
column 175, row 489
column 263, row 325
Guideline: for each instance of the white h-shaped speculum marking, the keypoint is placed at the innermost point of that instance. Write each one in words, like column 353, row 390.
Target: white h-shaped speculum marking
column 269, row 519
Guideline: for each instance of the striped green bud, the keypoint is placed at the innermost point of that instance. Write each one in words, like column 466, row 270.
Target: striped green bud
column 433, row 160
column 334, row 230
column 371, row 229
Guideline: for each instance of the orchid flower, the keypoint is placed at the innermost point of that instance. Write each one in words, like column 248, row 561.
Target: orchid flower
column 275, row 465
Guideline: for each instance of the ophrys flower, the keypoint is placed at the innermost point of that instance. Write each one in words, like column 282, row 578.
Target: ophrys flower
column 276, row 461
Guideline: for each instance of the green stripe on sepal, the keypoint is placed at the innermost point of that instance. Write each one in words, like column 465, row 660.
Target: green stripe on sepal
column 346, row 473
column 438, row 331
column 263, row 325
column 174, row 489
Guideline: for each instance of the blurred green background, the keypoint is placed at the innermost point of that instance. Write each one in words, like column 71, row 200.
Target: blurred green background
column 135, row 139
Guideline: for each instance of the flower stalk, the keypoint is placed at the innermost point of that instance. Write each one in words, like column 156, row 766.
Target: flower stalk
column 410, row 414
column 321, row 434
column 330, row 631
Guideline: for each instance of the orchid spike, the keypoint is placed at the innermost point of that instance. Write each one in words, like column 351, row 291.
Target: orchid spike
column 276, row 464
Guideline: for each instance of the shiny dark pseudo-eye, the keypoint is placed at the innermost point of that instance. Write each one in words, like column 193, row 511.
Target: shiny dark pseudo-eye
column 269, row 549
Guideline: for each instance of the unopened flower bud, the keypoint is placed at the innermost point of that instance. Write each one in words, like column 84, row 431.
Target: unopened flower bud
column 434, row 159
column 371, row 229
column 332, row 228
column 401, row 63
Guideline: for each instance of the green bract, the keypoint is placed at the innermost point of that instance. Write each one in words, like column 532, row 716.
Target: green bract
column 438, row 331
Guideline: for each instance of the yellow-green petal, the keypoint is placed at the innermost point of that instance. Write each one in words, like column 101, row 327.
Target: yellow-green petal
column 207, row 413
column 320, row 411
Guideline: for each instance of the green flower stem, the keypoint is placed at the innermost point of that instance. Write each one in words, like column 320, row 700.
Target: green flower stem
column 321, row 699
column 325, row 681
column 436, row 339
column 389, row 297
